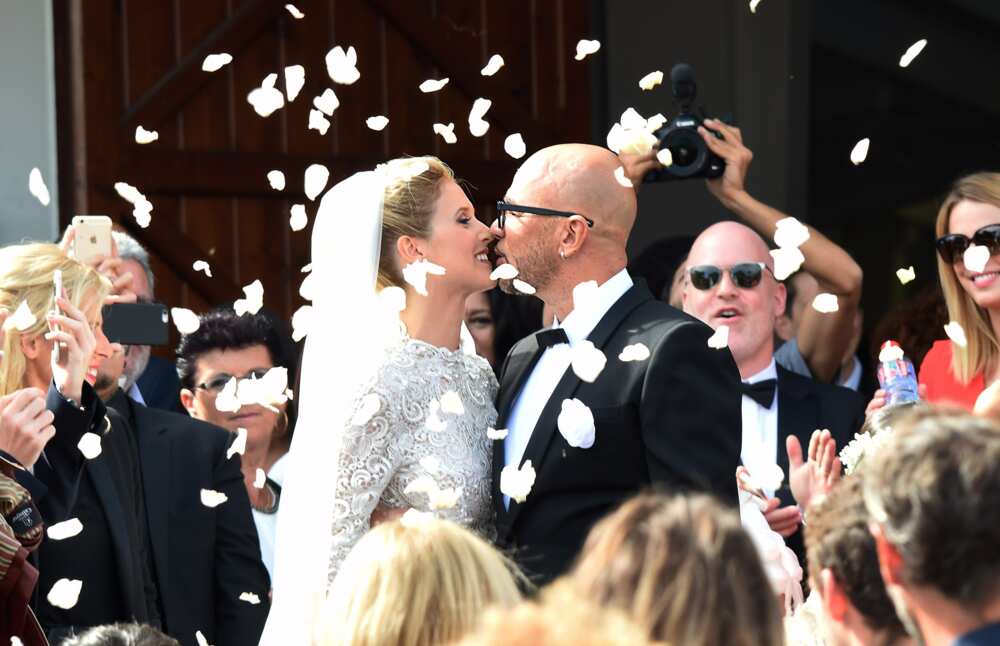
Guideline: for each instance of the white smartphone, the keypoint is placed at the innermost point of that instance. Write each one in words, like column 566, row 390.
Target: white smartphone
column 57, row 285
column 93, row 237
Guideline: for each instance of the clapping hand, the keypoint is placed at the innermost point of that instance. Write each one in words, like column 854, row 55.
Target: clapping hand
column 815, row 476
column 25, row 423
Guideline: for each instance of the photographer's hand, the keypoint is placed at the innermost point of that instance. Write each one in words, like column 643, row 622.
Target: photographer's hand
column 636, row 166
column 730, row 186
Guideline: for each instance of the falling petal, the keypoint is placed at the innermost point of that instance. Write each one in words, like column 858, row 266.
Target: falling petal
column 367, row 408
column 342, row 66
column 184, row 320
column 905, row 274
column 505, row 271
column 496, row 433
column 587, row 361
column 292, row 9
column 787, row 261
column 239, row 445
column 215, row 62
column 227, row 401
column 586, row 295
column 414, row 518
column 516, row 483
column 912, row 52
column 665, row 157
column 65, row 593
column 789, row 232
column 213, row 498
column 318, row 122
column 585, row 48
column 975, row 258
column 36, row 186
column 416, row 273
column 254, row 299
column 447, row 132
column 860, row 151
column 655, row 122
column 200, row 638
column 201, row 265
column 621, row 178
column 451, row 403
column 250, row 598
column 66, row 529
column 514, row 145
column 266, row 100
column 720, row 339
column 259, row 479
column 327, row 102
column 295, row 78
column 23, row 318
column 316, row 177
column 634, row 352
column 143, row 136
column 956, row 334
column 269, row 80
column 90, row 445
column 301, row 321
column 493, row 66
column 377, row 123
column 141, row 213
column 433, row 85
column 825, row 303
column 576, row 424
column 523, row 287
column 479, row 127
column 753, row 5
column 651, row 80
column 444, row 498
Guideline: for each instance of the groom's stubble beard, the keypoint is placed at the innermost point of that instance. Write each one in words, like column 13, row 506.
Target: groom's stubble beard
column 905, row 616
column 536, row 266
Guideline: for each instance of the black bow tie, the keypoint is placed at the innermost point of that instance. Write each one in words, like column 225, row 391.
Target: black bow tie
column 761, row 392
column 551, row 337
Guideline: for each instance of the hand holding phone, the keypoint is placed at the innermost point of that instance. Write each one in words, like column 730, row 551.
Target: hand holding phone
column 57, row 294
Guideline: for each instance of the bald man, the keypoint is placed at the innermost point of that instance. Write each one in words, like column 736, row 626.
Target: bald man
column 669, row 417
column 730, row 282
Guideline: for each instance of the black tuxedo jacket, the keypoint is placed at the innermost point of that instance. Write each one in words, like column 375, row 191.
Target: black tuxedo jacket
column 805, row 405
column 672, row 420
column 204, row 558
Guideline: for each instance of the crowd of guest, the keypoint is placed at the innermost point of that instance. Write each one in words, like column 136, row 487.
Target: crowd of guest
column 132, row 474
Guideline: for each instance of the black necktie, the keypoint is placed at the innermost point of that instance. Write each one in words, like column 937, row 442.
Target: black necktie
column 551, row 337
column 761, row 392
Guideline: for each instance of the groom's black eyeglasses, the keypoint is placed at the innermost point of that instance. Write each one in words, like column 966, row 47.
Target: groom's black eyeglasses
column 504, row 207
column 952, row 246
column 745, row 275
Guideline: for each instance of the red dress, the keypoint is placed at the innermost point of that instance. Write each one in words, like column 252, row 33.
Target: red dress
column 943, row 387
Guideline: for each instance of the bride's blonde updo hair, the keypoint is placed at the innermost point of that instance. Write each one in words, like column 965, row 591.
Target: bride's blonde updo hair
column 407, row 209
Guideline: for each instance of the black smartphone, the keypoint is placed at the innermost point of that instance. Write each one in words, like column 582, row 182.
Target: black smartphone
column 136, row 323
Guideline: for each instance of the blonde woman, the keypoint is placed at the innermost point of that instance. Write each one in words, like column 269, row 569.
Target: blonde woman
column 684, row 570
column 417, row 581
column 104, row 492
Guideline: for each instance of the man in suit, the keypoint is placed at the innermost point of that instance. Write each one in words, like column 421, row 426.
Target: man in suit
column 669, row 419
column 730, row 281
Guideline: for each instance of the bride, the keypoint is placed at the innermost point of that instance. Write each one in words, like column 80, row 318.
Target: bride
column 393, row 413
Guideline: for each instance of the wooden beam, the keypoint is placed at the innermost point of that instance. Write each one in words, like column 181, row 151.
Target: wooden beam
column 179, row 84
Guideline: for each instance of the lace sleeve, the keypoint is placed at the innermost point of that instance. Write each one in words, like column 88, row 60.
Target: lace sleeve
column 366, row 462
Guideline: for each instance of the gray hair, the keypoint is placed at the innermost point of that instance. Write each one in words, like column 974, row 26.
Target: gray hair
column 130, row 249
column 934, row 488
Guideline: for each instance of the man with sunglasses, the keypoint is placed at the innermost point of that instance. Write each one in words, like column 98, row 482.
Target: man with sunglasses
column 665, row 413
column 731, row 283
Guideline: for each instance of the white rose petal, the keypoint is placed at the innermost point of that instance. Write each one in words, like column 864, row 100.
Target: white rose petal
column 318, row 122
column 143, row 136
column 259, row 479
column 479, row 127
column 787, row 261
column 890, row 352
column 416, row 273
column 36, row 186
column 65, row 593
column 66, row 529
column 447, row 132
column 789, row 232
column 16, row 641
column 254, row 299
column 443, row 498
column 250, row 598
column 860, row 151
column 301, row 321
column 298, row 220
column 906, row 274
column 377, row 123
column 421, row 484
column 213, row 498
column 406, row 168
column 141, row 213
column 514, row 146
column 292, row 9
column 976, row 257
column 414, row 518
column 215, row 62
column 184, row 320
column 516, row 483
column 227, row 401
column 342, row 66
column 433, row 85
column 523, row 287
column 651, row 80
column 434, row 421
column 665, row 157
column 585, row 295
column 956, row 334
column 202, row 266
column 295, row 78
column 90, row 445
column 201, row 639
column 327, row 102
column 720, row 339
column 621, row 178
column 268, row 391
column 367, row 408
column 753, row 5
column 23, row 317
column 129, row 193
column 316, row 177
column 655, row 122
column 506, row 271
column 825, row 303
column 493, row 65
column 587, row 361
column 266, row 100
column 912, row 52
column 634, row 352
column 496, row 433
column 576, row 424
column 451, row 403
column 239, row 445
column 585, row 48
column 306, row 268
column 306, row 288
column 276, row 179
column 393, row 299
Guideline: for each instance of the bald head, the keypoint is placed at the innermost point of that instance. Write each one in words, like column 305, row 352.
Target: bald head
column 727, row 243
column 579, row 178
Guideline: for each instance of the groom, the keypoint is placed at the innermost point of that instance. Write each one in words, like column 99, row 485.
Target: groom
column 671, row 420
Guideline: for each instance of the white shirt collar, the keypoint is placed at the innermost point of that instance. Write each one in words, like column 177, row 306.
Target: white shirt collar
column 582, row 320
column 135, row 395
column 770, row 372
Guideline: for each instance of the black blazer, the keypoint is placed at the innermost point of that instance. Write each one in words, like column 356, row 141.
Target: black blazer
column 204, row 558
column 805, row 405
column 672, row 420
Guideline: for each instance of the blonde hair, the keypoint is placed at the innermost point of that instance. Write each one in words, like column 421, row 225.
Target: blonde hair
column 407, row 209
column 682, row 568
column 415, row 584
column 983, row 347
column 26, row 275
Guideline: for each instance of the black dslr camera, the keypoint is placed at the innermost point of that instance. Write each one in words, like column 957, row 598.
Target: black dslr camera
column 691, row 156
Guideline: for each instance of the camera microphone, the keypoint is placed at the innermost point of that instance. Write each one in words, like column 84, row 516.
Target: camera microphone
column 684, row 87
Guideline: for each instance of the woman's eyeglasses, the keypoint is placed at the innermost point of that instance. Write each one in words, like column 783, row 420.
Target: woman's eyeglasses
column 219, row 381
column 504, row 207
column 745, row 275
column 952, row 246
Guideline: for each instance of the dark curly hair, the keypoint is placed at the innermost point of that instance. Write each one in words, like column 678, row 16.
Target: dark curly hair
column 122, row 635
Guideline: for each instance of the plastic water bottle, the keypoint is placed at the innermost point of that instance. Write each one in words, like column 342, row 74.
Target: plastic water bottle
column 896, row 375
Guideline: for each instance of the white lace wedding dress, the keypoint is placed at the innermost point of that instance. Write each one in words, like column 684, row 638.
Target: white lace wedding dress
column 420, row 448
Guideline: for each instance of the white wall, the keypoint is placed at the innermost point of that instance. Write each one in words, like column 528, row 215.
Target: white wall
column 27, row 120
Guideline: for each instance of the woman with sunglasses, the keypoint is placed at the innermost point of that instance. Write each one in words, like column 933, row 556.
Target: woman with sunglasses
column 951, row 373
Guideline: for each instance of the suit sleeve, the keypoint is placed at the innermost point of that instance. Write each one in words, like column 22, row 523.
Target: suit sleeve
column 238, row 563
column 690, row 414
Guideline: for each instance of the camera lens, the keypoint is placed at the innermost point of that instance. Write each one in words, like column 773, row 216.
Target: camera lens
column 688, row 151
column 682, row 155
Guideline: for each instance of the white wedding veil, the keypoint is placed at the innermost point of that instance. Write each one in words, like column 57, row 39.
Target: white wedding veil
column 347, row 335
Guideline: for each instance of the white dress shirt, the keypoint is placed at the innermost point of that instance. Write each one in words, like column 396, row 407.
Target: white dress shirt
column 552, row 365
column 759, row 449
column 135, row 395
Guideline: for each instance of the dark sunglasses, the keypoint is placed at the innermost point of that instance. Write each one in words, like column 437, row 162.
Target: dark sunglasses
column 952, row 246
column 504, row 207
column 219, row 381
column 745, row 275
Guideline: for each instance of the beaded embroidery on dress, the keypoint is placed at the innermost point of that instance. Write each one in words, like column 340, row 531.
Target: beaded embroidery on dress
column 418, row 431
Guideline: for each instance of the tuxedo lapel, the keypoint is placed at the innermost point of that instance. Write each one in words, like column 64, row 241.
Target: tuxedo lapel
column 796, row 414
column 154, row 457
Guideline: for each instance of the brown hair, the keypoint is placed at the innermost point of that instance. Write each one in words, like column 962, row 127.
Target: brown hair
column 683, row 569
column 407, row 209
column 838, row 539
column 934, row 488
column 983, row 347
